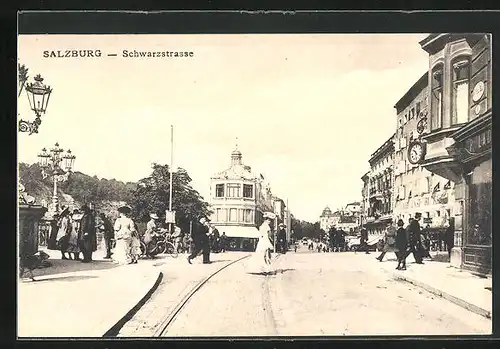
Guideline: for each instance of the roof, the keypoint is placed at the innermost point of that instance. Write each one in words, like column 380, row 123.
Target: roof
column 412, row 93
column 386, row 147
column 235, row 231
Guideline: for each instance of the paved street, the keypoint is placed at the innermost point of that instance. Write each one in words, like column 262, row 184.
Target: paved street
column 319, row 294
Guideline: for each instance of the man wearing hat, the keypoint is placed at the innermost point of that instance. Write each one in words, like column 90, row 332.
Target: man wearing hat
column 87, row 240
column 201, row 240
column 281, row 237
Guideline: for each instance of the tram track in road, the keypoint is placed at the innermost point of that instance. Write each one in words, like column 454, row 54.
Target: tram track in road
column 169, row 319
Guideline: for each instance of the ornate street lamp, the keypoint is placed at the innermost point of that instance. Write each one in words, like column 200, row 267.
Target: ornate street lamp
column 58, row 165
column 38, row 96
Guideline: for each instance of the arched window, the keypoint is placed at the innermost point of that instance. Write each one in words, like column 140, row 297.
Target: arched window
column 460, row 92
column 437, row 97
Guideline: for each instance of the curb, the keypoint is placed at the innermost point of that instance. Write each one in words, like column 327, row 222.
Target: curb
column 460, row 302
column 115, row 329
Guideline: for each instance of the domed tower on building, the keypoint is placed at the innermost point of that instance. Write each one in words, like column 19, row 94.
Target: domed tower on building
column 238, row 199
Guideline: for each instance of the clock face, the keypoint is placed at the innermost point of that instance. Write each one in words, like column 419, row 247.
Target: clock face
column 415, row 153
column 478, row 91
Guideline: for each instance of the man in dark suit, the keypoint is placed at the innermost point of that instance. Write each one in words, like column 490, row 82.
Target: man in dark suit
column 364, row 241
column 281, row 236
column 201, row 241
column 87, row 239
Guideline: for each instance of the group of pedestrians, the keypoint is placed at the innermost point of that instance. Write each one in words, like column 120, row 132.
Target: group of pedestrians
column 74, row 233
column 337, row 239
column 410, row 240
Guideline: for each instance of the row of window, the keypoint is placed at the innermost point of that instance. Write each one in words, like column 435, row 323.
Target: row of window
column 233, row 190
column 420, row 187
column 412, row 114
column 383, row 163
column 381, row 182
column 236, row 215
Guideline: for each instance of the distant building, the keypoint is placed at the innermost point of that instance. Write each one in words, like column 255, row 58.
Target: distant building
column 329, row 219
column 380, row 184
column 346, row 219
column 238, row 198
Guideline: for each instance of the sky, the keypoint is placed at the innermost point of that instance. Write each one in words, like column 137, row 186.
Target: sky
column 307, row 110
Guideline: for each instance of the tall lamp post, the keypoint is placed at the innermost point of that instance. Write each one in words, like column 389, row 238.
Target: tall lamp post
column 57, row 165
column 38, row 96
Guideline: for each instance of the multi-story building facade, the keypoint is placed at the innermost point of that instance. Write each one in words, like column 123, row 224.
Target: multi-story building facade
column 353, row 208
column 329, row 219
column 415, row 188
column 380, row 184
column 239, row 198
column 457, row 137
column 347, row 218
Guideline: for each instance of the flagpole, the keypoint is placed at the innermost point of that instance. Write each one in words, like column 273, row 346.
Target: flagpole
column 171, row 172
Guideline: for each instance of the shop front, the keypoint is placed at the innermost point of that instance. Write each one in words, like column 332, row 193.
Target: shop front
column 474, row 149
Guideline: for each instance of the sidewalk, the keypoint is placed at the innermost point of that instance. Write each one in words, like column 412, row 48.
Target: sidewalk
column 74, row 299
column 440, row 278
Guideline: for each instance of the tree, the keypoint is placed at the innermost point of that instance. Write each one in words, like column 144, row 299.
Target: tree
column 152, row 196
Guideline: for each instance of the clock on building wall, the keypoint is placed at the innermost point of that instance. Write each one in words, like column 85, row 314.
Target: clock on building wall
column 478, row 91
column 416, row 152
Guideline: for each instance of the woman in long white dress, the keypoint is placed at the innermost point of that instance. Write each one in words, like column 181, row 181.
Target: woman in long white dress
column 124, row 235
column 260, row 262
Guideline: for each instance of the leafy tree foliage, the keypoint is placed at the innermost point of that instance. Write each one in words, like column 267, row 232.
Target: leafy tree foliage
column 82, row 187
column 305, row 229
column 152, row 196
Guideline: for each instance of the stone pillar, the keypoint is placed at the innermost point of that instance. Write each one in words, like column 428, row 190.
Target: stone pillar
column 29, row 219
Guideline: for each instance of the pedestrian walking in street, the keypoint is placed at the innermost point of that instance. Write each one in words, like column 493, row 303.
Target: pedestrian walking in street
column 414, row 243
column 223, row 242
column 76, row 218
column 401, row 241
column 108, row 233
column 54, row 229
column 261, row 260
column 124, row 230
column 177, row 239
column 87, row 239
column 389, row 242
column 63, row 233
column 363, row 242
column 200, row 236
column 281, row 236
column 135, row 244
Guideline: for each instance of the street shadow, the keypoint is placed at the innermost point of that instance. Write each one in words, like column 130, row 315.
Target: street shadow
column 60, row 266
column 221, row 260
column 274, row 272
column 63, row 278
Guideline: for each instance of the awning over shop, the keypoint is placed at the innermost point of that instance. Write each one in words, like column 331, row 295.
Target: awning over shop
column 238, row 231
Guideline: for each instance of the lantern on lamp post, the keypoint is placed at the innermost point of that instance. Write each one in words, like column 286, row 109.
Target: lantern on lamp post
column 58, row 165
column 38, row 96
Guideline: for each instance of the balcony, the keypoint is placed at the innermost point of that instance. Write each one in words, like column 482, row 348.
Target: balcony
column 440, row 157
column 376, row 195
